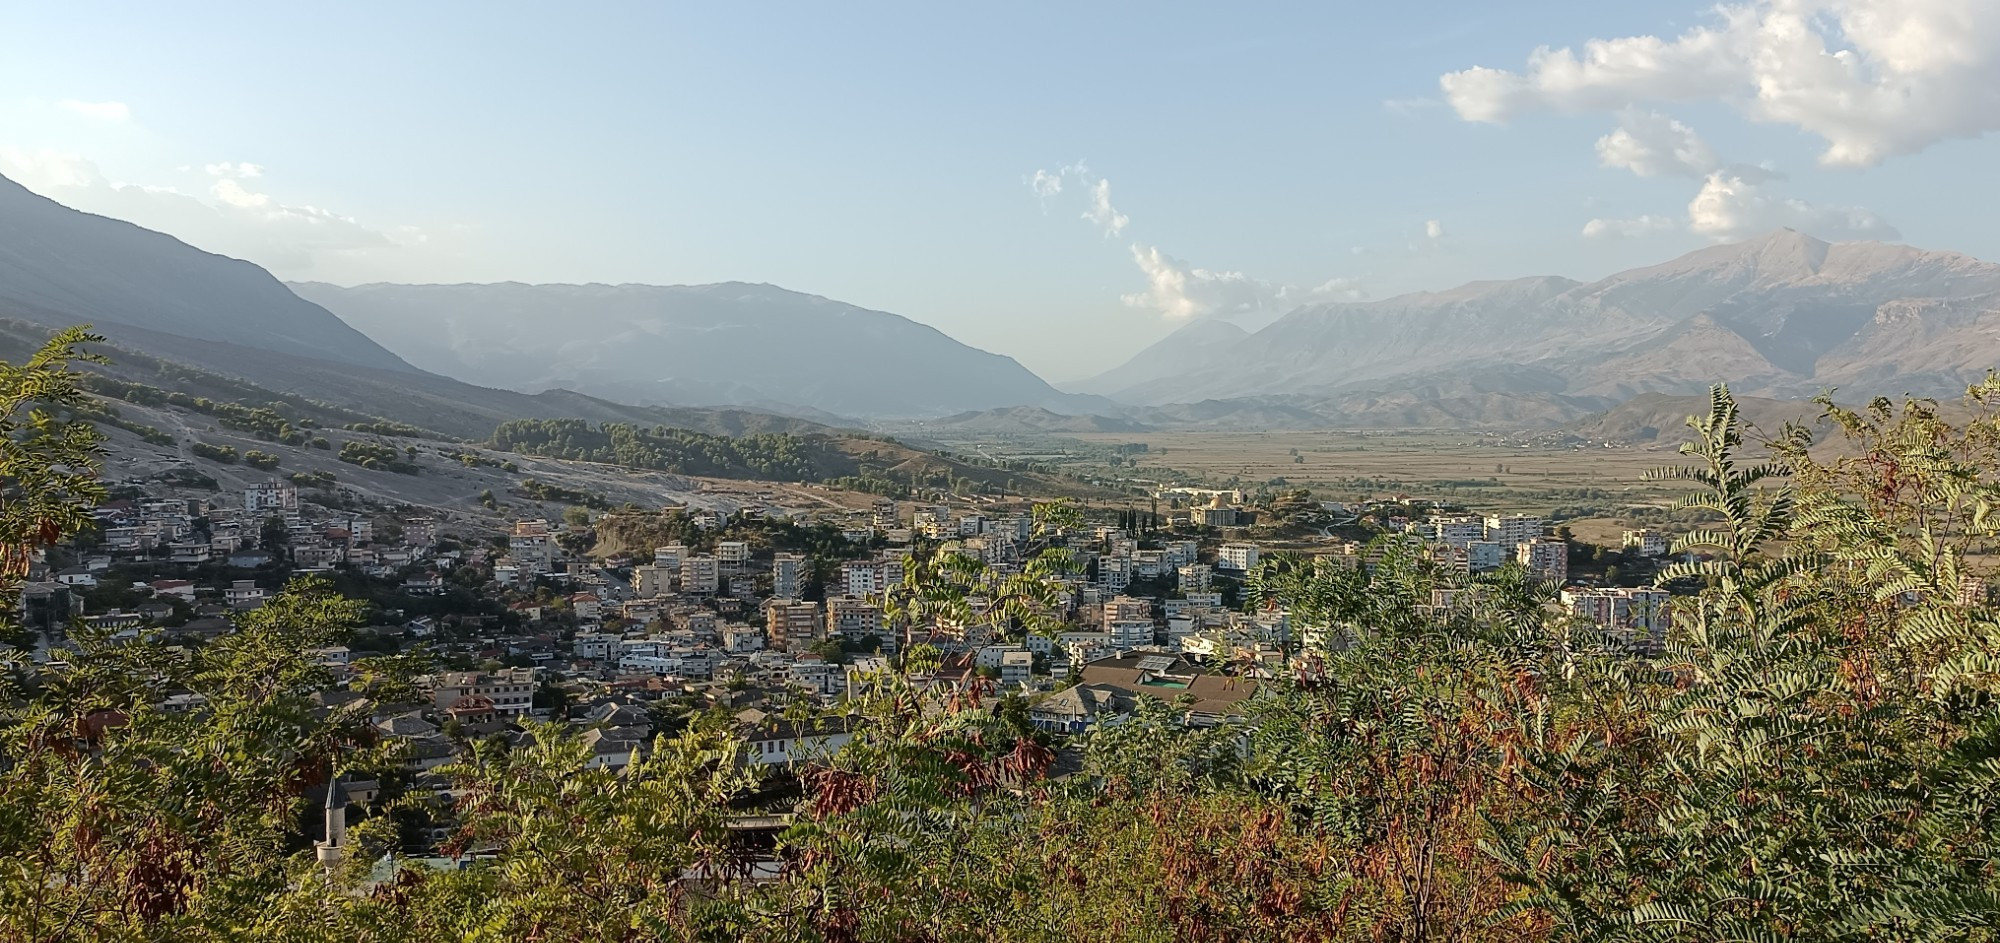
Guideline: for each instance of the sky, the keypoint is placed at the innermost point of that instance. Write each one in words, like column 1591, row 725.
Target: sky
column 1061, row 183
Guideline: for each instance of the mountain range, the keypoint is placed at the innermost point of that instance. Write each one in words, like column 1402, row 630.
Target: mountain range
column 1785, row 315
column 726, row 344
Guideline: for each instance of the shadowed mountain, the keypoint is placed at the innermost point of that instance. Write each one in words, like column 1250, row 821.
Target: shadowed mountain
column 178, row 314
column 59, row 267
column 724, row 344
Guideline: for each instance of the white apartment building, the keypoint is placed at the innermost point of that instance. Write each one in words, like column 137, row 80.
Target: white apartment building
column 1513, row 529
column 1649, row 542
column 1236, row 558
column 272, row 496
column 1457, row 531
column 1642, row 611
column 532, row 547
column 1484, row 555
column 788, row 575
column 1017, row 669
column 732, row 555
column 1196, row 577
column 852, row 617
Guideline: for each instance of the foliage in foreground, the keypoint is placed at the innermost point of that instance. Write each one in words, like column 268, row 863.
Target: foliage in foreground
column 1814, row 754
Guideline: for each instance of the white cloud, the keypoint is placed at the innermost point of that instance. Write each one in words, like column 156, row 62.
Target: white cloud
column 1045, row 184
column 101, row 111
column 1651, row 144
column 289, row 239
column 1102, row 212
column 1628, row 228
column 1730, row 207
column 1872, row 78
column 45, row 169
column 244, row 170
column 1182, row 292
column 1433, row 229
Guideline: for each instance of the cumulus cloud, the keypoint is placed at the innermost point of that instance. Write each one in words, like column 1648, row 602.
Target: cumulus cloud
column 102, row 111
column 230, row 219
column 1102, row 212
column 1629, row 228
column 1730, row 207
column 1651, row 144
column 1434, row 229
column 1183, row 292
column 1872, row 78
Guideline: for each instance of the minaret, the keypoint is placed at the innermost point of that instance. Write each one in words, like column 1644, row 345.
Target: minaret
column 334, row 848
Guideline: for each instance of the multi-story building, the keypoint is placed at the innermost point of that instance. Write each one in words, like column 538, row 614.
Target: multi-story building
column 1649, row 542
column 1017, row 668
column 862, row 577
column 532, row 546
column 1115, row 573
column 933, row 522
column 595, row 646
column 1126, row 608
column 1513, row 529
column 271, row 497
column 670, row 556
column 1457, row 531
column 1484, row 555
column 788, row 575
column 793, row 625
column 512, row 690
column 1196, row 577
column 420, row 532
column 1236, row 558
column 1644, row 612
column 1548, row 559
column 650, row 581
column 732, row 555
column 1129, row 633
column 853, row 617
column 701, row 575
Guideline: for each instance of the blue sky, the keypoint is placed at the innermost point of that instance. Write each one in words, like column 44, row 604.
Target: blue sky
column 885, row 154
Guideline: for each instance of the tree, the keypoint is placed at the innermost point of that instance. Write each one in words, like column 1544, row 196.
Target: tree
column 275, row 535
column 48, row 464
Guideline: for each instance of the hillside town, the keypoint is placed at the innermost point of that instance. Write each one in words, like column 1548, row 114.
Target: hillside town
column 537, row 624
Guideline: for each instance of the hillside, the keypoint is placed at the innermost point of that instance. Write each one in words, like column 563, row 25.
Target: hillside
column 725, row 344
column 59, row 267
column 170, row 308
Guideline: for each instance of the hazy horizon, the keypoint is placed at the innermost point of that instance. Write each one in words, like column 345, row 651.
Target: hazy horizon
column 1009, row 175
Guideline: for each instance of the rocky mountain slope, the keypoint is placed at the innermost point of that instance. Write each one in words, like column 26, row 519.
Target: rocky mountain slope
column 1785, row 315
column 725, row 344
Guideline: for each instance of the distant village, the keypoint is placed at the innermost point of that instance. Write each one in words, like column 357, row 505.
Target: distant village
column 623, row 646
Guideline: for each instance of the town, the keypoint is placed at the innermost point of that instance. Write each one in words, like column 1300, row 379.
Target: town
column 771, row 616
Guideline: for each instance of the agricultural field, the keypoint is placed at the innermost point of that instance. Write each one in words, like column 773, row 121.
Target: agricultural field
column 1597, row 486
